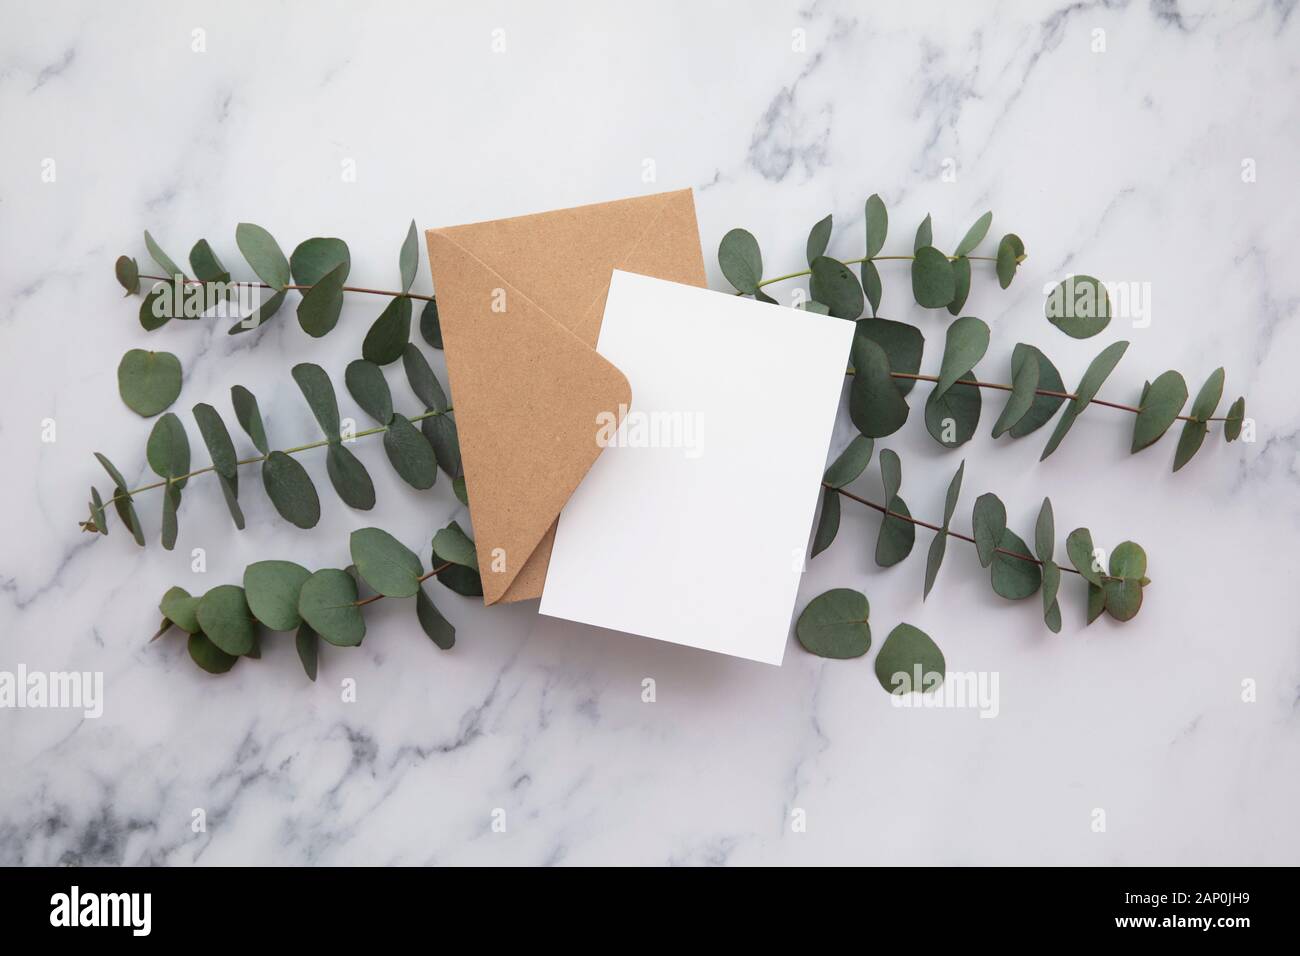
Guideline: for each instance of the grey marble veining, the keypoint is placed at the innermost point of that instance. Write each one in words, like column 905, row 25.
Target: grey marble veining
column 1125, row 163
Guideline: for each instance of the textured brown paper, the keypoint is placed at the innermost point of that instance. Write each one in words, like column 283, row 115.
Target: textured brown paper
column 520, row 303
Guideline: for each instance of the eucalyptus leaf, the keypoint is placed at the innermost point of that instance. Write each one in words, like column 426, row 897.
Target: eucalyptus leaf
column 1123, row 598
column 891, row 472
column 171, row 502
column 122, row 499
column 207, row 267
column 1161, row 404
column 322, row 304
column 1128, row 560
column 208, row 656
column 217, row 439
column 384, row 563
column 1096, row 602
column 180, row 607
column 897, row 534
column 1232, row 424
column 154, row 313
column 410, row 453
column 249, row 417
column 1014, row 578
column 954, row 413
column 966, row 342
column 464, row 581
column 819, row 238
column 741, row 261
column 128, row 274
column 148, row 381
column 1079, row 306
column 1045, row 532
column 169, row 268
column 430, row 328
column 1079, row 549
column 349, row 477
column 974, row 235
column 828, row 523
column 313, row 259
column 1010, row 252
column 903, row 345
column 1096, row 373
column 389, row 334
column 437, row 627
column 835, row 625
column 440, row 430
column 409, row 259
column 989, row 520
column 263, row 254
column 452, row 544
column 290, row 490
column 1024, row 386
column 933, row 560
column 271, row 589
column 422, row 380
column 258, row 316
column 1193, row 433
column 1051, row 585
column 933, row 282
column 834, row 284
column 1049, row 379
column 97, row 511
column 816, row 308
column 850, row 463
column 924, row 234
column 223, row 615
column 461, row 492
column 230, row 491
column 168, row 449
column 875, row 405
column 368, row 387
column 327, row 601
column 307, row 643
column 954, row 493
column 871, row 284
column 907, row 653
column 877, row 222
column 960, row 285
column 319, row 392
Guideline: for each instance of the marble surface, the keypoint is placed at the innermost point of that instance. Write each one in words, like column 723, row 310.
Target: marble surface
column 1125, row 163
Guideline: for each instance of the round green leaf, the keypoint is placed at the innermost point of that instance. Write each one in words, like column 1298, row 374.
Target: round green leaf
column 320, row 306
column 1010, row 252
column 291, row 490
column 966, row 342
column 263, row 254
column 1161, row 404
column 128, row 274
column 368, row 387
column 271, row 588
column 314, row 258
column 897, row 534
column 1049, row 380
column 319, row 392
column 989, row 520
column 828, row 523
column 851, row 462
column 179, row 607
column 1123, row 598
column 349, row 478
column 1079, row 548
column 741, row 261
column 389, row 333
column 952, row 417
column 834, row 624
column 1128, row 560
column 819, row 238
column 933, row 282
column 430, row 329
column 877, row 221
column 208, row 656
column 834, row 284
column 206, row 265
column 384, row 563
column 1236, row 415
column 903, row 345
column 328, row 603
column 148, row 381
column 168, row 448
column 1014, row 578
column 410, row 453
column 437, row 627
column 909, row 662
column 224, row 617
column 452, row 544
column 1079, row 306
column 875, row 404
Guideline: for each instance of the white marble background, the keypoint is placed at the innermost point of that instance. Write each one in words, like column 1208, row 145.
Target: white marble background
column 1126, row 164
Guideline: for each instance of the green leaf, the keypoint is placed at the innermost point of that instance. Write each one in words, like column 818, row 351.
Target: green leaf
column 291, row 490
column 1014, row 578
column 741, row 261
column 967, row 341
column 960, row 285
column 897, row 534
column 1096, row 374
column 349, row 477
column 871, row 285
column 877, row 220
column 891, row 472
column 851, row 462
column 1079, row 306
column 903, row 345
column 1161, row 404
column 437, row 627
column 384, row 563
column 151, row 318
column 307, row 643
column 924, row 234
column 263, row 254
column 907, row 653
column 989, row 520
column 1123, row 598
column 430, row 328
column 1051, row 585
column 1193, row 434
column 230, row 491
column 955, row 412
column 208, row 656
column 875, row 405
column 1079, row 548
column 1236, row 415
column 1010, row 252
column 828, row 523
column 271, row 589
column 462, row 493
column 422, row 380
column 933, row 282
column 835, row 284
column 440, row 430
column 259, row 316
column 168, row 449
column 452, row 544
column 128, row 274
column 819, row 238
column 206, row 265
column 389, row 334
column 171, row 502
column 179, row 607
column 933, row 560
column 1096, row 602
column 327, row 602
column 1128, row 560
column 834, row 625
column 217, row 439
column 1024, row 385
column 1049, row 379
column 148, row 381
column 97, row 514
column 1045, row 532
column 409, row 259
column 954, row 493
column 974, row 235
column 321, row 305
column 410, row 453
column 319, row 392
column 249, row 417
column 368, row 387
column 224, row 617
column 816, row 308
column 313, row 259
column 464, row 581
column 122, row 500
column 164, row 261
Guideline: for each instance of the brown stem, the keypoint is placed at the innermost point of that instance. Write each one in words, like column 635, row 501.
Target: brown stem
column 422, row 578
column 302, row 288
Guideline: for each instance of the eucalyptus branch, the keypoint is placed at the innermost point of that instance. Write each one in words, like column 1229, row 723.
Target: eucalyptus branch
column 296, row 287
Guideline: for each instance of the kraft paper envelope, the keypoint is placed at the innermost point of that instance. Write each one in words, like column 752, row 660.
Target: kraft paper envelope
column 520, row 303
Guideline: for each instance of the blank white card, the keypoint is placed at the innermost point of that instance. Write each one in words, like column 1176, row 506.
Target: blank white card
column 692, row 525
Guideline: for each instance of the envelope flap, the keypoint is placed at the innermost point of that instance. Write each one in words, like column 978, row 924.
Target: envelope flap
column 528, row 395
